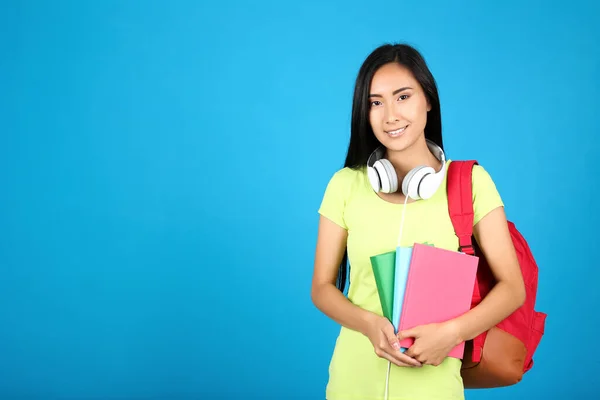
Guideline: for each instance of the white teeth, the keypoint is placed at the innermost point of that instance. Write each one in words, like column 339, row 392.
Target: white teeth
column 397, row 131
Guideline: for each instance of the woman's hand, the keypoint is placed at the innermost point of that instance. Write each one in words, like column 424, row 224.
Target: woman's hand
column 432, row 342
column 380, row 332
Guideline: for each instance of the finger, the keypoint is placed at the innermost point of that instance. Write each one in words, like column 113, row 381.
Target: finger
column 413, row 351
column 409, row 333
column 420, row 358
column 397, row 360
column 392, row 347
column 409, row 360
column 415, row 355
column 401, row 357
column 392, row 353
column 392, row 339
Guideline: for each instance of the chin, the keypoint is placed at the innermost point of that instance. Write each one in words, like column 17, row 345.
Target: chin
column 399, row 143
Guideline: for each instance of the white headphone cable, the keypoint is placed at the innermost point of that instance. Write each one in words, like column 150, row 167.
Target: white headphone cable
column 387, row 376
column 402, row 221
column 387, row 381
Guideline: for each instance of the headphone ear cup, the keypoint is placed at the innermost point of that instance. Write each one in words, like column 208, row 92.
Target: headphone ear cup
column 406, row 182
column 387, row 173
column 383, row 178
column 412, row 181
column 374, row 179
column 391, row 173
column 428, row 186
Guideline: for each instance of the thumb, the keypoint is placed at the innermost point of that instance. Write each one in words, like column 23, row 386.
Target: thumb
column 391, row 338
column 409, row 333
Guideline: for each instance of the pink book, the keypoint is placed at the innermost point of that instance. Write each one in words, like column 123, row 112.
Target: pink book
column 439, row 287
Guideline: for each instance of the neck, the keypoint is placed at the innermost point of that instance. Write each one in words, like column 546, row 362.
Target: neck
column 407, row 159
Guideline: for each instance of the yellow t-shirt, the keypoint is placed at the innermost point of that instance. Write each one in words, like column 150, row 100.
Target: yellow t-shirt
column 355, row 371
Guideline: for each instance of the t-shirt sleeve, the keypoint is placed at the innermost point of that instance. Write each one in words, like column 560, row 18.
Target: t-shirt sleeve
column 334, row 199
column 485, row 194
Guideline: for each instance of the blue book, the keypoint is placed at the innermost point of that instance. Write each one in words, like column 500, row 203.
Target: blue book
column 403, row 257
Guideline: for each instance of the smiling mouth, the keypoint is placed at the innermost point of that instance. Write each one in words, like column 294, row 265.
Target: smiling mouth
column 397, row 132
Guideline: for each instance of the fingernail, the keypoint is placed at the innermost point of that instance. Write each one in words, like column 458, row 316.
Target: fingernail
column 396, row 346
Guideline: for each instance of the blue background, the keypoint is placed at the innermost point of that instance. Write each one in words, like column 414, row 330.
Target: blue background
column 161, row 166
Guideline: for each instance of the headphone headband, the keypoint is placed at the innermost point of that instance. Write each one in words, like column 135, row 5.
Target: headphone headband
column 378, row 153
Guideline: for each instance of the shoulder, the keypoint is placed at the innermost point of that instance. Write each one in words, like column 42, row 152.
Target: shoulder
column 482, row 181
column 348, row 173
column 340, row 187
column 346, row 179
column 480, row 175
column 485, row 193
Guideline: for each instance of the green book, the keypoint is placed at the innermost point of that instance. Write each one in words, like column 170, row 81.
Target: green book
column 383, row 268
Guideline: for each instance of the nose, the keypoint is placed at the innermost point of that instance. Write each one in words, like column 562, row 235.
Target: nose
column 390, row 113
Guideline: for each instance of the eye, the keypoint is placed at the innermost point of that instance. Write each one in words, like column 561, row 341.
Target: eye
column 404, row 97
column 375, row 103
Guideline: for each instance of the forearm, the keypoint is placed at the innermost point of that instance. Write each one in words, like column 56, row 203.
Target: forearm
column 336, row 306
column 498, row 304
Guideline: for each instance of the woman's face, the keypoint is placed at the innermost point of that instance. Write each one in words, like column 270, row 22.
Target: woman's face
column 398, row 107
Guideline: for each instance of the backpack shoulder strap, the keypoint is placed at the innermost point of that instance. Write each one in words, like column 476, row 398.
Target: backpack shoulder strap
column 460, row 202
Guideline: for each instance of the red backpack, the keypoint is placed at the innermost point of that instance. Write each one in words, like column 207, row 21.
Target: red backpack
column 500, row 356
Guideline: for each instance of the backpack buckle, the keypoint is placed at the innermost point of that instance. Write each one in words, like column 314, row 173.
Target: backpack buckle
column 468, row 249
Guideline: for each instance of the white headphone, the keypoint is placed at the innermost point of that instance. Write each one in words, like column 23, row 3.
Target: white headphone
column 420, row 183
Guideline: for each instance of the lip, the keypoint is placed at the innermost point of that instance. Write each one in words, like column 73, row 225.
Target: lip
column 397, row 131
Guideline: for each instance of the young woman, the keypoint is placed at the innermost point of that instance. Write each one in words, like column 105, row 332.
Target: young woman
column 396, row 110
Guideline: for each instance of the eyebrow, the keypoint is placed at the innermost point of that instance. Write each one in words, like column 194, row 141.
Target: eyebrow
column 395, row 91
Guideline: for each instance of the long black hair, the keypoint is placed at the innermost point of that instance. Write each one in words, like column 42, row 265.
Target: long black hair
column 362, row 139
